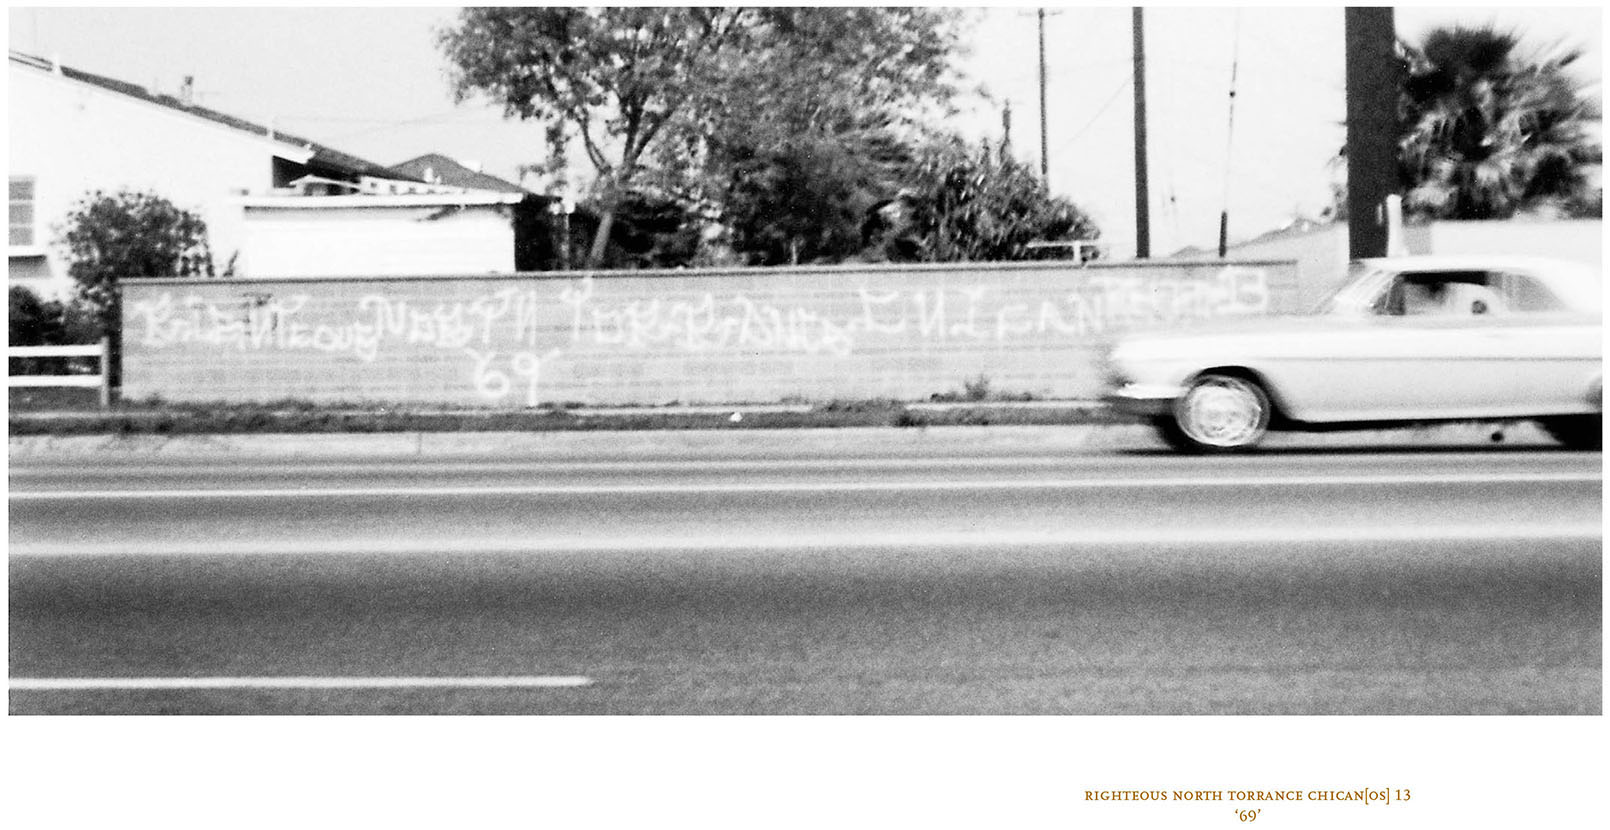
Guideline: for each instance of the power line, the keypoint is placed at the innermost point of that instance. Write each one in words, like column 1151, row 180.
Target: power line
column 1254, row 177
column 337, row 119
column 1099, row 112
column 1171, row 204
column 1057, row 72
column 407, row 123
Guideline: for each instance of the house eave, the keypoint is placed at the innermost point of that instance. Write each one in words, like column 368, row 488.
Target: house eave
column 378, row 201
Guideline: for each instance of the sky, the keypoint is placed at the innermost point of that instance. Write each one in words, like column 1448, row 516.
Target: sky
column 371, row 81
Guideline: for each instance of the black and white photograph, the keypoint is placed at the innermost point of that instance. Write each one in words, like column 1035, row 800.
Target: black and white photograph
column 863, row 416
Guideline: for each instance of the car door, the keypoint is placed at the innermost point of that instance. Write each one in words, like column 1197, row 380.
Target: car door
column 1549, row 354
column 1491, row 344
column 1426, row 350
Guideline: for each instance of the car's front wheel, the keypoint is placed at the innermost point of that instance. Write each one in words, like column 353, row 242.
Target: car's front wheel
column 1217, row 413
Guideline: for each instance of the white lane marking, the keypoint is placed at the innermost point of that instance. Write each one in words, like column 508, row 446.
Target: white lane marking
column 34, row 684
column 412, row 467
column 812, row 487
column 628, row 465
column 842, row 541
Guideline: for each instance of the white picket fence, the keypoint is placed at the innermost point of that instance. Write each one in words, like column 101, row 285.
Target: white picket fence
column 103, row 380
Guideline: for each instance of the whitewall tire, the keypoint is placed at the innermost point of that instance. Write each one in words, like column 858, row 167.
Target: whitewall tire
column 1218, row 413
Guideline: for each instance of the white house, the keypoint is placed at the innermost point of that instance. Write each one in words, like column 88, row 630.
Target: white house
column 274, row 204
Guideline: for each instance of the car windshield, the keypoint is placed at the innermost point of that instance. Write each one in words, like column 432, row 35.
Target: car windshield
column 1358, row 294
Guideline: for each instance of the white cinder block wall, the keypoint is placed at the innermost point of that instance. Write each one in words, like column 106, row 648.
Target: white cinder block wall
column 740, row 336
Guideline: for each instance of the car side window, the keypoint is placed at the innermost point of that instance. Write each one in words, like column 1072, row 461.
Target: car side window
column 1525, row 294
column 1443, row 294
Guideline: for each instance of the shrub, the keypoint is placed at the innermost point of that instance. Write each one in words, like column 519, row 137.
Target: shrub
column 39, row 322
column 108, row 237
column 34, row 322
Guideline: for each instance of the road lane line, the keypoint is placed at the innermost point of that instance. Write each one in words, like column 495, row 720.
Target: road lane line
column 842, row 541
column 52, row 684
column 811, row 487
column 481, row 468
column 412, row 467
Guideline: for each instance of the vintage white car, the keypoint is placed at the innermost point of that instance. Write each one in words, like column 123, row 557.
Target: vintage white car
column 1404, row 340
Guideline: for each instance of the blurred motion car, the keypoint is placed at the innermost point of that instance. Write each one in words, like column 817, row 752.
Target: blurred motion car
column 1404, row 340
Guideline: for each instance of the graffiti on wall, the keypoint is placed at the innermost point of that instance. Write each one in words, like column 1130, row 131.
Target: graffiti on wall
column 264, row 321
column 737, row 322
column 509, row 334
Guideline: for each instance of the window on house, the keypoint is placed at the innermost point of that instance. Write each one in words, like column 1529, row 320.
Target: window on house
column 21, row 211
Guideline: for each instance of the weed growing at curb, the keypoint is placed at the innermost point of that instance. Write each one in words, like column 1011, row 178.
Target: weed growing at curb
column 241, row 420
column 63, row 415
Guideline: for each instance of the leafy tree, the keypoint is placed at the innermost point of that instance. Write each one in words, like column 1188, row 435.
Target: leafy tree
column 793, row 167
column 806, row 199
column 653, row 233
column 108, row 237
column 662, row 99
column 1487, row 132
column 974, row 203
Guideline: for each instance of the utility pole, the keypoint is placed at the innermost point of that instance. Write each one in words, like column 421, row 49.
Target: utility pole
column 1045, row 157
column 1229, row 145
column 1143, row 231
column 1372, row 99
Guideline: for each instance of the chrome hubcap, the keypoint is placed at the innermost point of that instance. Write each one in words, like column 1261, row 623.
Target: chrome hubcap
column 1223, row 412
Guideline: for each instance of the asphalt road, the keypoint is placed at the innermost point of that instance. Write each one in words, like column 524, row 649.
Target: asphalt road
column 837, row 581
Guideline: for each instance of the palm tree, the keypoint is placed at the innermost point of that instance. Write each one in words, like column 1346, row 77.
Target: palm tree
column 1486, row 133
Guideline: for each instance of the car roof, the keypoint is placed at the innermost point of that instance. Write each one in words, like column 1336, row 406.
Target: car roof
column 1473, row 262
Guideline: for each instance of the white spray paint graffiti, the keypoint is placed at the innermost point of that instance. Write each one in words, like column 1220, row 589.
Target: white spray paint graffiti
column 263, row 322
column 702, row 325
column 494, row 384
column 1102, row 303
column 501, row 331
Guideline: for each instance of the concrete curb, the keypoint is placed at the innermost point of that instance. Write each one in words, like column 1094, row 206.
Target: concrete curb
column 935, row 441
column 634, row 444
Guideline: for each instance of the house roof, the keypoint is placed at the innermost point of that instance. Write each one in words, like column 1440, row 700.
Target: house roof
column 379, row 200
column 451, row 172
column 324, row 160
